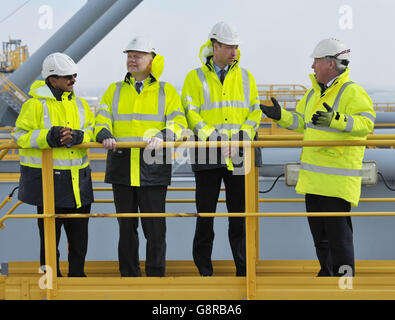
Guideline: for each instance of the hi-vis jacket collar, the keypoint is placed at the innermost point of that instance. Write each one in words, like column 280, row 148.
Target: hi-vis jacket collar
column 206, row 53
column 343, row 75
column 131, row 81
column 39, row 89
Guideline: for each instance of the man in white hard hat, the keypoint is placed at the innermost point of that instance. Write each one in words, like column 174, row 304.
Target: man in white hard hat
column 334, row 108
column 221, row 103
column 56, row 118
column 140, row 108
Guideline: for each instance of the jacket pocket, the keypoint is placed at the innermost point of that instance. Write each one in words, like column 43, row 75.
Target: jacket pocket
column 155, row 170
column 118, row 166
column 332, row 152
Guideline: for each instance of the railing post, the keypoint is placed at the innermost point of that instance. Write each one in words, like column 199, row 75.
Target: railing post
column 49, row 223
column 257, row 210
column 250, row 207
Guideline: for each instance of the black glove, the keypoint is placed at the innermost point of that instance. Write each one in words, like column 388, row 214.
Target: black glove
column 323, row 118
column 53, row 137
column 273, row 112
column 78, row 137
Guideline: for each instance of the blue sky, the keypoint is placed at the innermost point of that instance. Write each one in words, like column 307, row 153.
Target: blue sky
column 278, row 36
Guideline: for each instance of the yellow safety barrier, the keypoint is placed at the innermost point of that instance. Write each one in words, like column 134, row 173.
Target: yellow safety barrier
column 62, row 288
column 264, row 135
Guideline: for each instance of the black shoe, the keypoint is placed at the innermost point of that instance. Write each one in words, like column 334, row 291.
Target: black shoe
column 76, row 275
column 324, row 273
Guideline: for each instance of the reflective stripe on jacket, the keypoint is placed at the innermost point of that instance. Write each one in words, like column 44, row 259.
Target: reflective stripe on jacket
column 212, row 106
column 131, row 117
column 332, row 171
column 35, row 120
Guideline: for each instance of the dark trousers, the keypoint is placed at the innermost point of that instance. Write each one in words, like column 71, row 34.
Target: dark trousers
column 77, row 238
column 333, row 236
column 208, row 184
column 150, row 199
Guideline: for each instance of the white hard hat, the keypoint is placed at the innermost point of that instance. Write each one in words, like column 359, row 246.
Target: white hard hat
column 58, row 64
column 331, row 48
column 225, row 33
column 140, row 44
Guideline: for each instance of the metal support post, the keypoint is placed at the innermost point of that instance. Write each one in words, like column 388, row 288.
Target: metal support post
column 250, row 207
column 257, row 210
column 49, row 223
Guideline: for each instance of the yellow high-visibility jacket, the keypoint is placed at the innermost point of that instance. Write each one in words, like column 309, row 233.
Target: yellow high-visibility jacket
column 35, row 120
column 332, row 171
column 132, row 117
column 226, row 108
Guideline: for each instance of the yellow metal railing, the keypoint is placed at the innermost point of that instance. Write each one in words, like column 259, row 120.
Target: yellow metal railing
column 294, row 92
column 9, row 153
column 251, row 202
column 285, row 91
column 384, row 106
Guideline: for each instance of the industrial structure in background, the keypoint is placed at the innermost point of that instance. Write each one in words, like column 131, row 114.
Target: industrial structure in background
column 13, row 55
column 11, row 97
column 75, row 38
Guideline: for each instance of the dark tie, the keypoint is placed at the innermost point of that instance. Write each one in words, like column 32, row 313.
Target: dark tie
column 138, row 87
column 222, row 76
column 323, row 87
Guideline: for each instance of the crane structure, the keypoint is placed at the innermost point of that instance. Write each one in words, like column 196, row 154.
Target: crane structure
column 14, row 54
column 75, row 38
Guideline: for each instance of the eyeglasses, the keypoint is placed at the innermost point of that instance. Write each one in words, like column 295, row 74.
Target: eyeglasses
column 69, row 77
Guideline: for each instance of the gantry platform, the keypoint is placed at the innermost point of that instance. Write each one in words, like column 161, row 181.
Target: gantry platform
column 275, row 279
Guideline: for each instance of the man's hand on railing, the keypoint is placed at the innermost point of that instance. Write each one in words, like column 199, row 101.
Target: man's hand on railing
column 54, row 136
column 78, row 137
column 229, row 152
column 154, row 143
column 66, row 137
column 110, row 144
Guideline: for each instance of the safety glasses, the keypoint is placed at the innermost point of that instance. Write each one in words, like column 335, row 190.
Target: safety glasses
column 69, row 77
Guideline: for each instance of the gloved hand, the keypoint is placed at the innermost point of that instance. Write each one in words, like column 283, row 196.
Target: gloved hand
column 322, row 118
column 71, row 137
column 273, row 112
column 66, row 137
column 53, row 137
column 77, row 137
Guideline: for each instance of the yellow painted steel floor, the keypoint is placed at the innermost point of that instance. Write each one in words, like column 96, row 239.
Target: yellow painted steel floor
column 276, row 279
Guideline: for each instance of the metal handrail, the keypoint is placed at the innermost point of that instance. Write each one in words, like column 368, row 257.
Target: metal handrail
column 205, row 215
column 377, row 141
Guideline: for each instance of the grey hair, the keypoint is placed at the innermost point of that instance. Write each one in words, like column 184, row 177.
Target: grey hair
column 340, row 65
